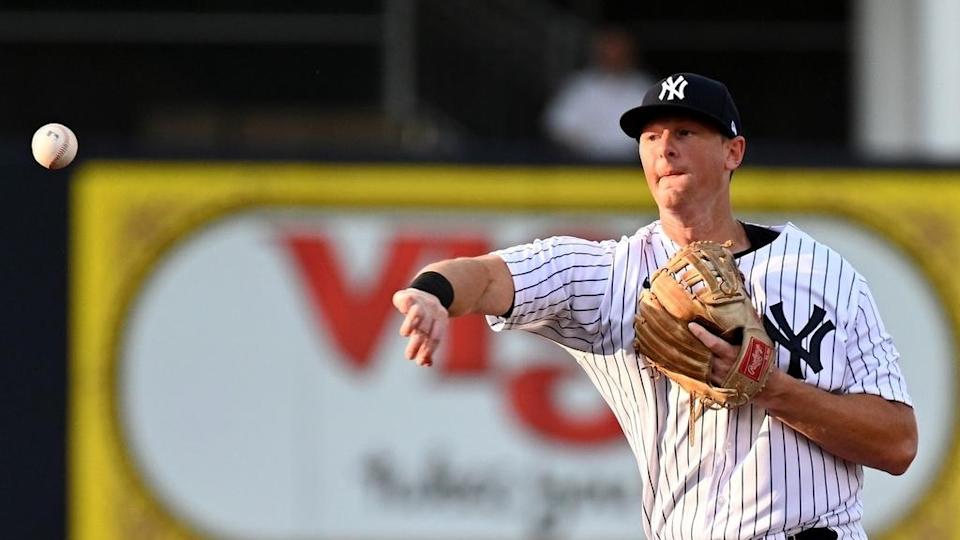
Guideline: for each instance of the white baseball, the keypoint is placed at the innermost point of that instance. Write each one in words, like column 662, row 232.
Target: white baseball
column 54, row 146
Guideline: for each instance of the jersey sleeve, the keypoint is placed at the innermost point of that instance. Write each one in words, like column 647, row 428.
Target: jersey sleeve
column 873, row 359
column 559, row 285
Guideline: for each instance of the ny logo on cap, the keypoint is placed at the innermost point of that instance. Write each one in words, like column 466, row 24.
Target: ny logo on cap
column 674, row 87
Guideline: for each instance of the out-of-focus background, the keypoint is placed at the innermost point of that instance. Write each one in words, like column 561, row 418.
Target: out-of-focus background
column 198, row 338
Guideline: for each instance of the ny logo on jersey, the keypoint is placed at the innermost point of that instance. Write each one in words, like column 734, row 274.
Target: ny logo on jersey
column 785, row 336
column 674, row 87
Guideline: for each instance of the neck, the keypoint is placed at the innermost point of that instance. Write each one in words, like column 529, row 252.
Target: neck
column 705, row 226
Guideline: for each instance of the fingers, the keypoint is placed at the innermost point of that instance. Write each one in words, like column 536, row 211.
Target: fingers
column 439, row 329
column 412, row 321
column 430, row 342
column 724, row 354
column 424, row 355
column 420, row 308
column 425, row 323
column 416, row 341
column 702, row 333
column 717, row 345
column 420, row 348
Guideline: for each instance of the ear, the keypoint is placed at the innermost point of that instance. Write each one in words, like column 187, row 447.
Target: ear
column 734, row 148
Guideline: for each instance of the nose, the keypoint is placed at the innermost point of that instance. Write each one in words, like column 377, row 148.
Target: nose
column 667, row 146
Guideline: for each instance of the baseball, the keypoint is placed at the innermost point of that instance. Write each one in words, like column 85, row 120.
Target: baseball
column 54, row 146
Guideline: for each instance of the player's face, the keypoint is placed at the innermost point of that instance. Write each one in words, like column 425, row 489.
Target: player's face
column 687, row 163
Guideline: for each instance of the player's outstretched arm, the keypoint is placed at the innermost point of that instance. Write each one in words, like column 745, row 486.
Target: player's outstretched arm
column 479, row 285
column 862, row 428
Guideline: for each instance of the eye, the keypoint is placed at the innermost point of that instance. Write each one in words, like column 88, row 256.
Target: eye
column 649, row 136
column 684, row 132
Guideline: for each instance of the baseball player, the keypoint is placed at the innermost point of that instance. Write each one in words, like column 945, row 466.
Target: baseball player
column 787, row 464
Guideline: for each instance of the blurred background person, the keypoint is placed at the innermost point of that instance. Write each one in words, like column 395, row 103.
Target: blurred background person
column 582, row 115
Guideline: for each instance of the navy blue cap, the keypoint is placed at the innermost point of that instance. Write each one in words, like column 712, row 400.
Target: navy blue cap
column 686, row 94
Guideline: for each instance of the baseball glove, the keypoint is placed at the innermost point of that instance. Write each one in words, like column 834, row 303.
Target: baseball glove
column 701, row 283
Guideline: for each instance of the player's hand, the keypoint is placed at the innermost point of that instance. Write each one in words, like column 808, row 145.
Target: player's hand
column 724, row 354
column 425, row 323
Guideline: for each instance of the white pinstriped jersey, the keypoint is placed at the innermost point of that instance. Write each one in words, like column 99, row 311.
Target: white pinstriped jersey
column 746, row 475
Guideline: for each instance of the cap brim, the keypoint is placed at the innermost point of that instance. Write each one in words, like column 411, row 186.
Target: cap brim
column 633, row 121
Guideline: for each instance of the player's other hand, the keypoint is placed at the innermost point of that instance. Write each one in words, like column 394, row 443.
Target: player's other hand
column 425, row 323
column 724, row 354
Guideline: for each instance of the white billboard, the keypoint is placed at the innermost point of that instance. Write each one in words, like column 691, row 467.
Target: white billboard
column 263, row 391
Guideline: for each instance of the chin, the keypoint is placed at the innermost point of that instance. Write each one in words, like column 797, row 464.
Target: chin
column 670, row 196
column 669, row 202
column 676, row 202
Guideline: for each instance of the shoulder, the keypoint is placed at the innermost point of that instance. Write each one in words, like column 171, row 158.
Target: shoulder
column 553, row 246
column 829, row 279
column 788, row 235
column 573, row 248
column 806, row 243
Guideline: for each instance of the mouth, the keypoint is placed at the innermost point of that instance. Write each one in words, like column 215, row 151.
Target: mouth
column 671, row 174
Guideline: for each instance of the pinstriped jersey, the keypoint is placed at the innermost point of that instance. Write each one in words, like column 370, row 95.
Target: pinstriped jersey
column 745, row 474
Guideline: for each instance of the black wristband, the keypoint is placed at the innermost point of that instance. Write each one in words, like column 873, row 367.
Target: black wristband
column 435, row 284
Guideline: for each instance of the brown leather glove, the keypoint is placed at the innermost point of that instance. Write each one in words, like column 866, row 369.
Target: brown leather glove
column 702, row 284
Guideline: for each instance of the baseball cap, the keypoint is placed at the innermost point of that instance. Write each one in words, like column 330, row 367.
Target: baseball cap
column 685, row 94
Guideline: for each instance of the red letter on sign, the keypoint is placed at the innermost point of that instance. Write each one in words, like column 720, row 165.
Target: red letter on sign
column 355, row 319
column 533, row 399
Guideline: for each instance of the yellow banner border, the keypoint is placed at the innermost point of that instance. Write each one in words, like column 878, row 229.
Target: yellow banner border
column 219, row 190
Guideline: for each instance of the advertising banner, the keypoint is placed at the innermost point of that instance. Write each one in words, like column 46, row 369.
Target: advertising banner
column 236, row 368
